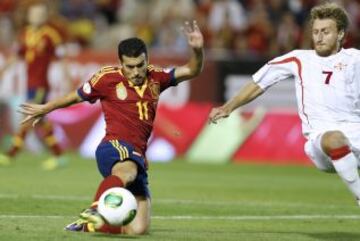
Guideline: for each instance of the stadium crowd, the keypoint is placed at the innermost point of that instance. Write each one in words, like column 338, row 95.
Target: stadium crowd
column 255, row 28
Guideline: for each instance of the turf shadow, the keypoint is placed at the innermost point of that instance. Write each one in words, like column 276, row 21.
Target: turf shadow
column 335, row 236
column 114, row 236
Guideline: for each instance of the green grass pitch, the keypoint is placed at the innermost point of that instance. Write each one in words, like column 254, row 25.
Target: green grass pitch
column 190, row 202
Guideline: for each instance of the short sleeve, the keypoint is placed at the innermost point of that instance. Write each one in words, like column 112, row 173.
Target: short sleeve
column 91, row 90
column 165, row 76
column 278, row 69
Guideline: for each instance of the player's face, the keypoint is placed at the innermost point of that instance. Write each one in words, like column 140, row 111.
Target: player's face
column 326, row 38
column 135, row 68
column 37, row 15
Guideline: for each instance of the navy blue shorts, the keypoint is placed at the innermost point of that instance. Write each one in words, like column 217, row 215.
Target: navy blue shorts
column 108, row 153
column 37, row 96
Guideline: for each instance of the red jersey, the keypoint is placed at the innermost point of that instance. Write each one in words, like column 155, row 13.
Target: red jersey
column 37, row 47
column 129, row 110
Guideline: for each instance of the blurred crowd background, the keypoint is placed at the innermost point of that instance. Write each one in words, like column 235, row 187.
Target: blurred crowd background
column 247, row 28
column 240, row 36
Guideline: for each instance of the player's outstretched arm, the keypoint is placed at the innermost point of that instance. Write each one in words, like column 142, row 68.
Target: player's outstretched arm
column 34, row 112
column 194, row 66
column 248, row 93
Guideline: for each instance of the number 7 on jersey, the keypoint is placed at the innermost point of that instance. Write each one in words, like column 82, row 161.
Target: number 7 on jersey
column 328, row 76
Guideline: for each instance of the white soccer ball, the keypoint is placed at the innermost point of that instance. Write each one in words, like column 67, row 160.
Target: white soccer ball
column 117, row 206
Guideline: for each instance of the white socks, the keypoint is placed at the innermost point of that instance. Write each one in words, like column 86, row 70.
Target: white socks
column 347, row 168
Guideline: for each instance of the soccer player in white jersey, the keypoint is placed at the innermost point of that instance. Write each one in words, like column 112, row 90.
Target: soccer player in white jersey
column 327, row 81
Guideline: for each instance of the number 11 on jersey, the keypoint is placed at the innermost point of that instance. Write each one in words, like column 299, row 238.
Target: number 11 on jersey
column 143, row 110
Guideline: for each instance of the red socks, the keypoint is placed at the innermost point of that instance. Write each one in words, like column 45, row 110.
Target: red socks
column 107, row 183
column 46, row 132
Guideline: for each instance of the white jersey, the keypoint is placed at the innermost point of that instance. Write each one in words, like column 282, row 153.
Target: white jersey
column 327, row 88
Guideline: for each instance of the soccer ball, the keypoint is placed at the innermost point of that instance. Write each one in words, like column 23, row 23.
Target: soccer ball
column 117, row 206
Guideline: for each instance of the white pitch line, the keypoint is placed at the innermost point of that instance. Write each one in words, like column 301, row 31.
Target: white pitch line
column 175, row 201
column 56, row 197
column 243, row 203
column 190, row 218
column 260, row 218
column 46, row 197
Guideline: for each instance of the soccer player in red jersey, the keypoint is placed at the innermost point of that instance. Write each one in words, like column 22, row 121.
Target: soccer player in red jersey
column 38, row 45
column 129, row 95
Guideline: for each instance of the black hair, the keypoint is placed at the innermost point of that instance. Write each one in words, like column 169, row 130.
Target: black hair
column 131, row 47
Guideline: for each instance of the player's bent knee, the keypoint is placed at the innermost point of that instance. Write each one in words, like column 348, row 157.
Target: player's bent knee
column 126, row 171
column 141, row 224
column 139, row 229
column 333, row 140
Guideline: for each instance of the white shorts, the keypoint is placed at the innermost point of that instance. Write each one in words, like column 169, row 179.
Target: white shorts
column 314, row 151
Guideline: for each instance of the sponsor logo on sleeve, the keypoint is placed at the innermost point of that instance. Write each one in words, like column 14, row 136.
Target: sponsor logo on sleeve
column 87, row 88
column 167, row 70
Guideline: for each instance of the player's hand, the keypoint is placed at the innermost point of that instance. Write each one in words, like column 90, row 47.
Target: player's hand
column 193, row 34
column 32, row 112
column 218, row 113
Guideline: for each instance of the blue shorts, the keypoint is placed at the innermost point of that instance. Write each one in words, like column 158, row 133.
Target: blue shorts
column 37, row 95
column 108, row 153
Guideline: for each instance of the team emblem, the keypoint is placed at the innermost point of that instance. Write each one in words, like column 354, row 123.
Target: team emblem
column 155, row 90
column 121, row 92
column 340, row 66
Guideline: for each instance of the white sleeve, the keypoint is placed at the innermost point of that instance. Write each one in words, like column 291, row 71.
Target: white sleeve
column 278, row 69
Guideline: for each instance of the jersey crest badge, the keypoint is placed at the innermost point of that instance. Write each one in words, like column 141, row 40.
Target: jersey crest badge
column 121, row 92
column 340, row 66
column 155, row 90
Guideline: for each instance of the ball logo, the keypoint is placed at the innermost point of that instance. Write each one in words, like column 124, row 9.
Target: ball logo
column 112, row 200
column 87, row 88
column 117, row 206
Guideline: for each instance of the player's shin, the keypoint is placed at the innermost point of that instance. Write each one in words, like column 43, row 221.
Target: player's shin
column 49, row 138
column 17, row 144
column 108, row 182
column 345, row 164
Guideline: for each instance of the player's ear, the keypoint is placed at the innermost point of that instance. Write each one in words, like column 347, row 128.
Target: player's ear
column 341, row 35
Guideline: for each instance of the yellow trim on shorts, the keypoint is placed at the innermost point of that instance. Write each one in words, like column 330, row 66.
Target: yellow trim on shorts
column 123, row 151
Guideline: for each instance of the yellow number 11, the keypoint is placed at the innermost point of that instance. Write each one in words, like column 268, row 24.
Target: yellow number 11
column 143, row 110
